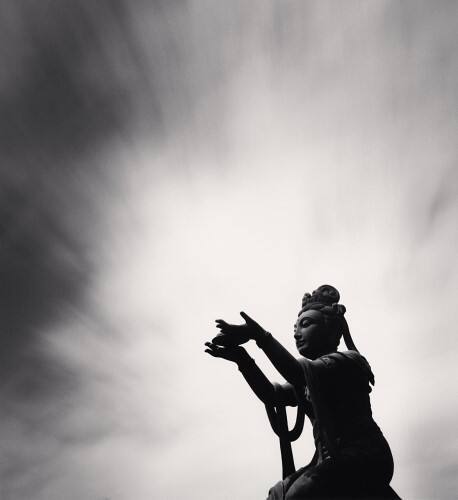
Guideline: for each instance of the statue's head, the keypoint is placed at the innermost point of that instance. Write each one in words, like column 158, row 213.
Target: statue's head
column 320, row 323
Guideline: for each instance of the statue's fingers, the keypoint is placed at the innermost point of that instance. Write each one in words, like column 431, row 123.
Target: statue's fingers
column 209, row 351
column 220, row 322
column 224, row 329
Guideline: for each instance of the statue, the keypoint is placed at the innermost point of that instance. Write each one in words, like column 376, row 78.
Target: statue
column 352, row 458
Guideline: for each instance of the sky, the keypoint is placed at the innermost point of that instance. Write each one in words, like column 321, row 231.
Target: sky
column 167, row 163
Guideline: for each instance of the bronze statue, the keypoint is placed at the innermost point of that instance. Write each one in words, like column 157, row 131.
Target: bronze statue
column 352, row 458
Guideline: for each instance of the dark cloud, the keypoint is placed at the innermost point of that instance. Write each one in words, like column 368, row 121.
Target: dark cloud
column 62, row 99
column 66, row 95
column 77, row 78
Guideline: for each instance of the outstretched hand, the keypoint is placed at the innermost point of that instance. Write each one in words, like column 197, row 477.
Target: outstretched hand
column 234, row 353
column 234, row 335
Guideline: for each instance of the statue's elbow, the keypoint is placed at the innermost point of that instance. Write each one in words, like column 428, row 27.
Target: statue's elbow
column 268, row 397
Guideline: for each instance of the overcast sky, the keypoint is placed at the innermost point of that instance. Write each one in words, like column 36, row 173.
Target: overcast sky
column 168, row 163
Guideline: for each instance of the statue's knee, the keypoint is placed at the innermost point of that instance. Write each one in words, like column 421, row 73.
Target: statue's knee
column 300, row 489
column 276, row 492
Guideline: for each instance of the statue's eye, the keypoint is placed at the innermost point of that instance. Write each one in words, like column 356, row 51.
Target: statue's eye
column 306, row 322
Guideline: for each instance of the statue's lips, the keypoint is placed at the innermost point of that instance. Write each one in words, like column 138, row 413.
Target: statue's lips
column 300, row 344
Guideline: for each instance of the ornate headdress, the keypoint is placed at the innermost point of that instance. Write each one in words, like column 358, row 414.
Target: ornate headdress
column 325, row 299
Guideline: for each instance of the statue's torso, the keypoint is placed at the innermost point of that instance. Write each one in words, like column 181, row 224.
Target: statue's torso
column 352, row 457
column 339, row 394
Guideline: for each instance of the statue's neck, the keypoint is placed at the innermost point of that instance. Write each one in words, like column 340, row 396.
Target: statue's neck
column 318, row 354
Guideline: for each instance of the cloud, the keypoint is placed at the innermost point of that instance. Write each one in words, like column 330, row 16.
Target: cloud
column 171, row 162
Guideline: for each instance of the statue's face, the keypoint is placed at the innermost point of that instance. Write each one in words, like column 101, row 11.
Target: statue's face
column 310, row 334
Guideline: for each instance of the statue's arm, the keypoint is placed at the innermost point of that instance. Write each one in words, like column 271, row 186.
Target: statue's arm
column 256, row 379
column 259, row 383
column 268, row 393
column 286, row 364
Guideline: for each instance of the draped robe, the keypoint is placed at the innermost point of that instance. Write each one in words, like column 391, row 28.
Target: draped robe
column 352, row 458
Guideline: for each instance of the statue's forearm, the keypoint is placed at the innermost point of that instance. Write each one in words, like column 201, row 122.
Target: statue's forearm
column 286, row 364
column 256, row 379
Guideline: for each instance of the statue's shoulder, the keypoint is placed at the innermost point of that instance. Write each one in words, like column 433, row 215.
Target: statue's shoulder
column 354, row 356
column 350, row 359
column 342, row 357
column 361, row 362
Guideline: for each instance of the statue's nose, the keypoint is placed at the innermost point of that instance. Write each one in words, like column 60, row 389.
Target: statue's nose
column 297, row 335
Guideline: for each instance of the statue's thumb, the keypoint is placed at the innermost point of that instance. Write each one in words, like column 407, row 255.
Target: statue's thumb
column 246, row 317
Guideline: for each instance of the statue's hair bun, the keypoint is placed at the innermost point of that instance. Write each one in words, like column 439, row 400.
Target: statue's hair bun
column 325, row 295
column 338, row 309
